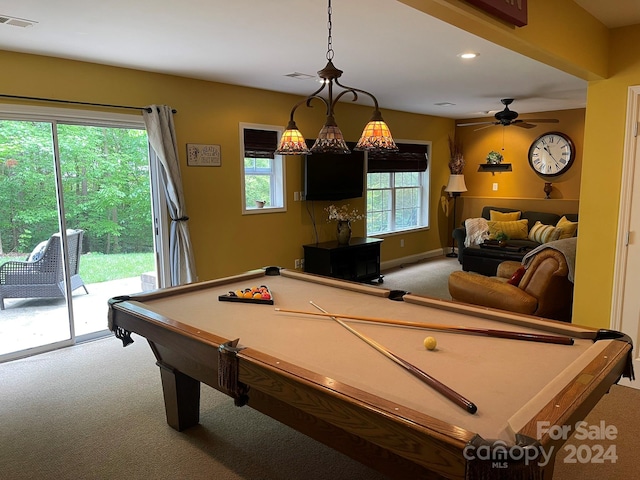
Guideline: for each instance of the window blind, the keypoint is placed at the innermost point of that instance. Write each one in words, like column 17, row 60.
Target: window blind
column 260, row 143
column 410, row 157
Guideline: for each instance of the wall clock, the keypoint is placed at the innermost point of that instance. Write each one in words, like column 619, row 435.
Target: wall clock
column 551, row 154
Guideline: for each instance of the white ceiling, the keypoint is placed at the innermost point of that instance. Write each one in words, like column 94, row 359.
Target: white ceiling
column 407, row 59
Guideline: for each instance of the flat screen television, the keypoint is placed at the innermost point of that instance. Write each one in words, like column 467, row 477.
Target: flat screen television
column 330, row 176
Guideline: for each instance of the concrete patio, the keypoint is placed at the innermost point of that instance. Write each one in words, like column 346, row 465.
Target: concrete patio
column 31, row 322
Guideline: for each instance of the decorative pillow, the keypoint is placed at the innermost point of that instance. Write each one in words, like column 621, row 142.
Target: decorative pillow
column 37, row 252
column 517, row 276
column 477, row 231
column 504, row 217
column 569, row 229
column 517, row 229
column 542, row 233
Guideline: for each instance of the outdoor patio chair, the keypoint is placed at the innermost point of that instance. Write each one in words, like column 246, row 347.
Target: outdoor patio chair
column 41, row 276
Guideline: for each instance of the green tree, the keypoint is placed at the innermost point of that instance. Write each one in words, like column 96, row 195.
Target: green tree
column 105, row 180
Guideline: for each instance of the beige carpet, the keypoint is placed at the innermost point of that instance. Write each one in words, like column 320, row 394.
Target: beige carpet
column 95, row 411
column 426, row 277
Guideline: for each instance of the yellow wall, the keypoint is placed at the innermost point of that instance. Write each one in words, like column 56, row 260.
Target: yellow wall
column 226, row 242
column 601, row 178
column 514, row 142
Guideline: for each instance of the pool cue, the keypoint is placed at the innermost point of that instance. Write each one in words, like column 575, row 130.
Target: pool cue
column 440, row 387
column 531, row 337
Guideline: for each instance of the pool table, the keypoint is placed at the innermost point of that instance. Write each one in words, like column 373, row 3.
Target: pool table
column 312, row 374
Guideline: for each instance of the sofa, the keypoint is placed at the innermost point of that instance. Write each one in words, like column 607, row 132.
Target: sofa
column 530, row 241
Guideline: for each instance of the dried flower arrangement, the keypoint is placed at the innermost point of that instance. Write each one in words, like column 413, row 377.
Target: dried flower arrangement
column 342, row 214
column 456, row 162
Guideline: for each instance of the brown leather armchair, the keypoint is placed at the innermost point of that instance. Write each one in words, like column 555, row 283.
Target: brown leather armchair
column 544, row 290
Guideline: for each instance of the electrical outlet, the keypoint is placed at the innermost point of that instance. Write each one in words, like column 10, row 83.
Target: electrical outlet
column 402, row 242
column 302, row 264
column 495, row 187
column 296, row 196
column 297, row 263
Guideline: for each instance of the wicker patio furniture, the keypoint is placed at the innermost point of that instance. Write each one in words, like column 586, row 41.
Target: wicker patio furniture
column 43, row 277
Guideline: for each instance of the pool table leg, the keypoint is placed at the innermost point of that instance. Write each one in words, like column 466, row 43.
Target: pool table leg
column 181, row 397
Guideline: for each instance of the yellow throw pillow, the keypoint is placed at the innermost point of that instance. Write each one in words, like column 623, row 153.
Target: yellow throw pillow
column 569, row 229
column 517, row 229
column 542, row 233
column 504, row 217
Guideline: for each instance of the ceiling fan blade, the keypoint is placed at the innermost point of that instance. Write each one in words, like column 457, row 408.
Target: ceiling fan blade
column 473, row 123
column 486, row 126
column 541, row 120
column 524, row 125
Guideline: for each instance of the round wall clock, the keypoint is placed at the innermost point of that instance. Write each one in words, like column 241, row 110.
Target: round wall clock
column 551, row 154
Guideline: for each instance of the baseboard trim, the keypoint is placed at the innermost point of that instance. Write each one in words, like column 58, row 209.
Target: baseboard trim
column 413, row 258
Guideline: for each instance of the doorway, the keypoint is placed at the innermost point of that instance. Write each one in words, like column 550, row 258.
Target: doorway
column 626, row 302
column 65, row 178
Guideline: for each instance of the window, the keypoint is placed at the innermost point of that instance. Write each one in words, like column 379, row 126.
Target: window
column 262, row 170
column 398, row 189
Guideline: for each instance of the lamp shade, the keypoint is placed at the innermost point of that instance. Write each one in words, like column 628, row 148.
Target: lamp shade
column 456, row 184
column 292, row 142
column 330, row 139
column 376, row 135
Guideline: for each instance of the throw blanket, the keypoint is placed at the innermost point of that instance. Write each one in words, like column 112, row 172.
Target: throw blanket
column 477, row 230
column 565, row 246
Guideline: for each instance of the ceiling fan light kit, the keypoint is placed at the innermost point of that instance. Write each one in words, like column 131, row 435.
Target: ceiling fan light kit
column 375, row 136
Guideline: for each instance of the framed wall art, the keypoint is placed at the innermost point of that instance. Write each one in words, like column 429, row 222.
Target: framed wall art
column 201, row 155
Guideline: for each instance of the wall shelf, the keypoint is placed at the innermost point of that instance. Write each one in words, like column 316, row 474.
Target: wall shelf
column 494, row 167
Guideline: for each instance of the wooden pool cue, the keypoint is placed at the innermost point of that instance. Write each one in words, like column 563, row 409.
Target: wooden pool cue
column 440, row 387
column 531, row 337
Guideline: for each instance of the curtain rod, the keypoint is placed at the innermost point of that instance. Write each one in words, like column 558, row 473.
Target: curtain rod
column 54, row 100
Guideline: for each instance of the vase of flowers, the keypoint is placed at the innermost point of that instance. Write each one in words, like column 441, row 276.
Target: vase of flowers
column 343, row 216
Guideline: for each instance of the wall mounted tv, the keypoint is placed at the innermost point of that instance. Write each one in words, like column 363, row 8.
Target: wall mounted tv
column 330, row 176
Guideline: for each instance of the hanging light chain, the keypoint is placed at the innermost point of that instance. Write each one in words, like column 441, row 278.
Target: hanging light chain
column 329, row 39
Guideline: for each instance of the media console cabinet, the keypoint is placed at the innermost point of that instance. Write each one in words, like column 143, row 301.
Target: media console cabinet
column 358, row 261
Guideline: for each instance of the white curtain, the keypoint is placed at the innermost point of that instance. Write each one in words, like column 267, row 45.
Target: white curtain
column 162, row 137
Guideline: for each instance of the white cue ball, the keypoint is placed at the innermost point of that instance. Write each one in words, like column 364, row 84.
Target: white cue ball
column 430, row 343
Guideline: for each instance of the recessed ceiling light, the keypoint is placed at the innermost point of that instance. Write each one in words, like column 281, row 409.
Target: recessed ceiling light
column 468, row 55
column 445, row 104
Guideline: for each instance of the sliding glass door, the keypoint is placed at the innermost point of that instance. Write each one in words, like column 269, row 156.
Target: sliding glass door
column 77, row 203
column 31, row 258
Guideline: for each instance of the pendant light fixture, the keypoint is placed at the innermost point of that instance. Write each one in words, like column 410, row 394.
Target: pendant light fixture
column 375, row 137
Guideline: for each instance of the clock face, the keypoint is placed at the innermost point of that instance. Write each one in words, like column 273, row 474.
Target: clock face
column 551, row 154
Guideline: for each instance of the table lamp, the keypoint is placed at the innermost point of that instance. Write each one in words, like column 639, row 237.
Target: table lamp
column 455, row 186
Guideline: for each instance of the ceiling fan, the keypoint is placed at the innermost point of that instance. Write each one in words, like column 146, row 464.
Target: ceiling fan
column 508, row 117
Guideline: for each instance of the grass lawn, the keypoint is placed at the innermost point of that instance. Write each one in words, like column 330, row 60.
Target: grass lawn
column 98, row 267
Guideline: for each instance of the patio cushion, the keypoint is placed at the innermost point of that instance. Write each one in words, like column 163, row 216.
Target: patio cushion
column 37, row 252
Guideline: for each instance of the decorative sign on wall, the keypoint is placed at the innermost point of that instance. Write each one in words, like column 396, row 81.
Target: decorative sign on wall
column 512, row 11
column 200, row 155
